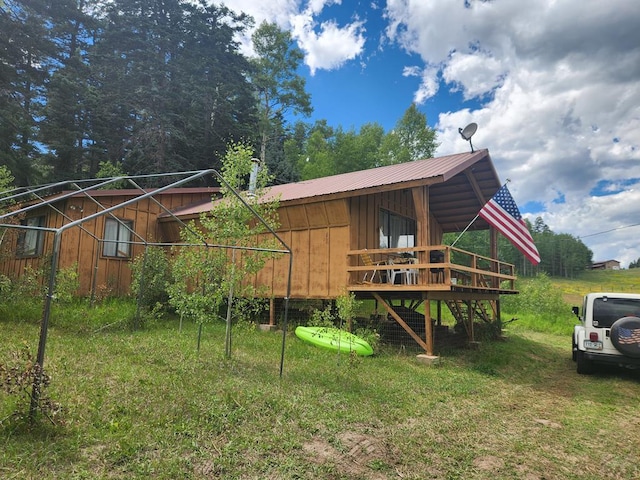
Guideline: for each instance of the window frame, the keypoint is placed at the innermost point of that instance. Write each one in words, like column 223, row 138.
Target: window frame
column 398, row 224
column 29, row 236
column 112, row 247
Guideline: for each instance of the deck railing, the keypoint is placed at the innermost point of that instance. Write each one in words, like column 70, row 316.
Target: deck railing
column 434, row 266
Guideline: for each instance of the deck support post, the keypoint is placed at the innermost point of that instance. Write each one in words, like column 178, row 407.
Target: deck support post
column 428, row 326
column 471, row 320
column 267, row 327
column 272, row 311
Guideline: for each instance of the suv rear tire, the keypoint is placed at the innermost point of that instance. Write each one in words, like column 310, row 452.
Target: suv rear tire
column 624, row 336
column 584, row 365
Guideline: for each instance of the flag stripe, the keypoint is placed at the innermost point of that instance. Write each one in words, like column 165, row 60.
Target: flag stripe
column 520, row 243
column 514, row 233
column 502, row 213
column 517, row 232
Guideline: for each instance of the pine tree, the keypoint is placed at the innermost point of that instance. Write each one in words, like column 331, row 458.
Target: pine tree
column 26, row 54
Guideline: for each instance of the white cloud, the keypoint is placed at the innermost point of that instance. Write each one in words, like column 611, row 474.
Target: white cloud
column 429, row 85
column 555, row 90
column 316, row 6
column 326, row 45
column 332, row 46
column 277, row 11
column 411, row 71
column 478, row 74
column 273, row 11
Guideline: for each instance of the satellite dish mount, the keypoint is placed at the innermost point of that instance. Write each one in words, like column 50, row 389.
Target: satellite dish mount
column 467, row 132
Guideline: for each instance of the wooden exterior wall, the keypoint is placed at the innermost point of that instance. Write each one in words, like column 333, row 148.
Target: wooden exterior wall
column 365, row 217
column 321, row 233
column 318, row 235
column 112, row 275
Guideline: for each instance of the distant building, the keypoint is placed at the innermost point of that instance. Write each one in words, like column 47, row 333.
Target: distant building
column 606, row 265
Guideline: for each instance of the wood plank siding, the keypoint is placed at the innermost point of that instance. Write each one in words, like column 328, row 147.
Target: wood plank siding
column 331, row 226
column 322, row 233
column 322, row 220
column 318, row 235
column 81, row 245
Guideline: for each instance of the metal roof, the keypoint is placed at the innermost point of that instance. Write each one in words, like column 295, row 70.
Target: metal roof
column 460, row 184
column 419, row 171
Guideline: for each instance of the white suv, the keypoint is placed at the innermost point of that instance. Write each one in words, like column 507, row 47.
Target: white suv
column 609, row 331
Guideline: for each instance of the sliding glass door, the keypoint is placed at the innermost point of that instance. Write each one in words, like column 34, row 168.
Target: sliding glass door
column 396, row 231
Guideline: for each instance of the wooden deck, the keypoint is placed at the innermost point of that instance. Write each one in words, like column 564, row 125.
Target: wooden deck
column 469, row 285
column 459, row 274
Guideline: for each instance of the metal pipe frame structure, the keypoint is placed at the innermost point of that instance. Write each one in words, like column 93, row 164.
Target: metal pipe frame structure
column 35, row 196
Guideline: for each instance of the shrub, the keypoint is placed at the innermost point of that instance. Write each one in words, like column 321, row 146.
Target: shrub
column 247, row 310
column 347, row 307
column 5, row 286
column 67, row 284
column 537, row 297
column 539, row 306
column 21, row 299
column 322, row 318
column 151, row 275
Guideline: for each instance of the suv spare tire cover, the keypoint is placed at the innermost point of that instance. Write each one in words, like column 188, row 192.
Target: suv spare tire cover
column 625, row 336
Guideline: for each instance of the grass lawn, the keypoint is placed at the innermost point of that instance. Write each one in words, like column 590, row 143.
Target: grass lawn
column 148, row 405
column 598, row 281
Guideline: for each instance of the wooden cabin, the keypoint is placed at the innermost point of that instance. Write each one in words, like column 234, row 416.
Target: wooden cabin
column 378, row 233
column 103, row 246
column 606, row 265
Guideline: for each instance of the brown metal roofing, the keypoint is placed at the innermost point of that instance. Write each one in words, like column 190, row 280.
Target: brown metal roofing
column 427, row 171
column 437, row 172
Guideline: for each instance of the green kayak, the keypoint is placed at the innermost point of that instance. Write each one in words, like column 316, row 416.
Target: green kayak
column 334, row 339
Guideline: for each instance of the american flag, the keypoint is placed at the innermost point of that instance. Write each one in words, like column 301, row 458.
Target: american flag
column 502, row 213
column 628, row 336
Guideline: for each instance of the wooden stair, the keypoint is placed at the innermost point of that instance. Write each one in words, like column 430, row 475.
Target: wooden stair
column 466, row 311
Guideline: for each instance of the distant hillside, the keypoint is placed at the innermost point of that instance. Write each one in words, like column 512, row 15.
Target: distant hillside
column 598, row 281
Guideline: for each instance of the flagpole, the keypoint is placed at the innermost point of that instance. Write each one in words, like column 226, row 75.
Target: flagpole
column 474, row 219
column 466, row 228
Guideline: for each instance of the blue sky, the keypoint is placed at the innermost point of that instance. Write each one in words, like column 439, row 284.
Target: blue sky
column 553, row 86
column 374, row 93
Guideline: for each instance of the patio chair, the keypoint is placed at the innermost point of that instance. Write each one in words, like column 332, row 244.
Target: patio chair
column 437, row 256
column 369, row 276
column 408, row 276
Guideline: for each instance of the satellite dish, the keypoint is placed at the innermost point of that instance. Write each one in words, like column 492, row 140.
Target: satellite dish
column 467, row 132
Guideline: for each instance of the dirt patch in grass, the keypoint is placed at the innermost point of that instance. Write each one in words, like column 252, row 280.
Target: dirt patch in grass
column 357, row 455
column 488, row 463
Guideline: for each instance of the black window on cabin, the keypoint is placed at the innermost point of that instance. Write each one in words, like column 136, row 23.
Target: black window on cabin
column 396, row 231
column 30, row 240
column 117, row 238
